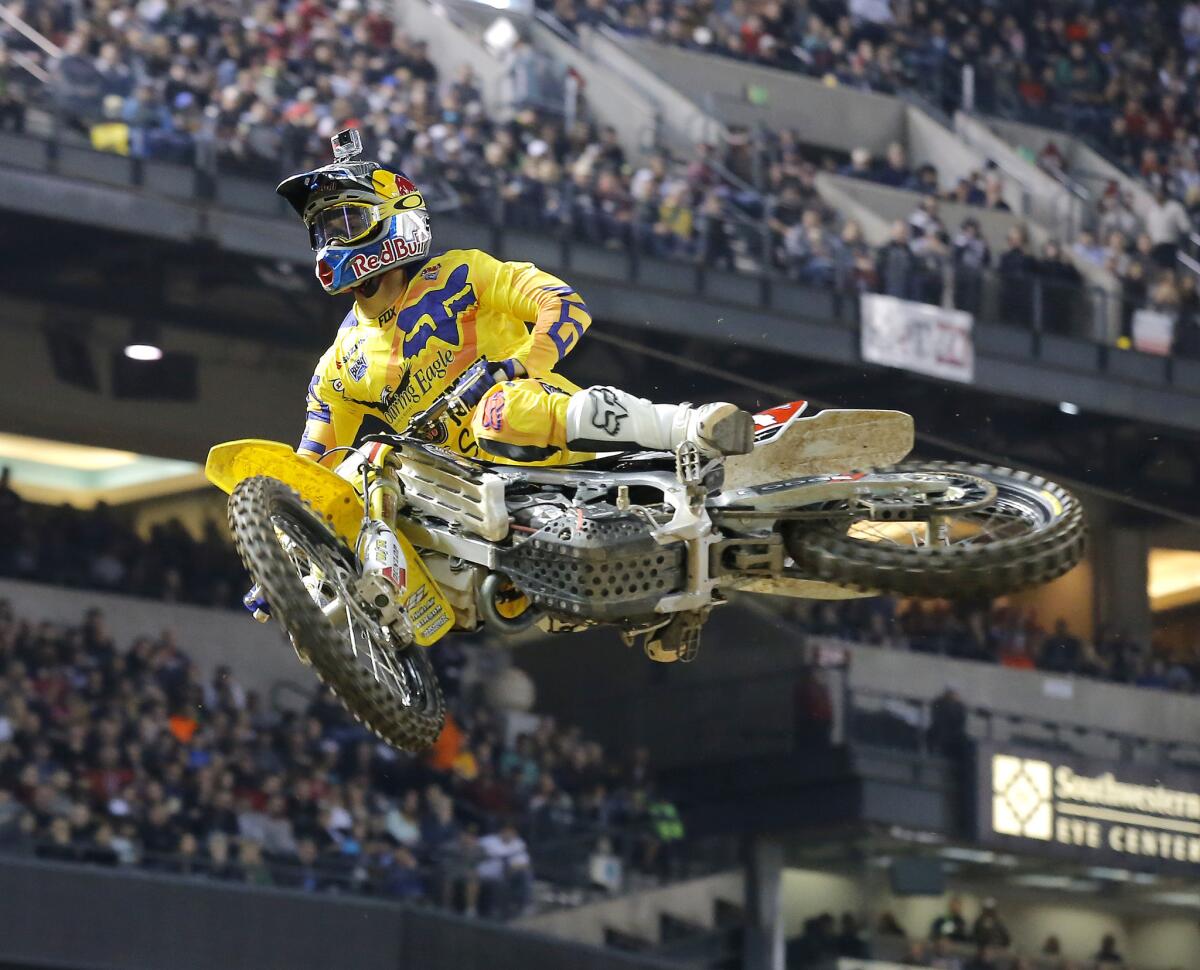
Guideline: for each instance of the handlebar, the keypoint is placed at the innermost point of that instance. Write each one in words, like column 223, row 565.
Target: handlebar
column 442, row 403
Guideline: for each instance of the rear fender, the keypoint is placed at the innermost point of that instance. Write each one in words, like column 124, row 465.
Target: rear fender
column 788, row 445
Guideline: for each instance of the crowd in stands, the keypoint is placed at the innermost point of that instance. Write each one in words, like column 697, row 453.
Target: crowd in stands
column 98, row 549
column 1071, row 67
column 129, row 758
column 1007, row 635
column 257, row 88
column 1123, row 73
column 951, row 943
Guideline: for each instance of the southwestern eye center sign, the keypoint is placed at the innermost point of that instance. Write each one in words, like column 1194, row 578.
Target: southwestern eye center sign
column 1093, row 811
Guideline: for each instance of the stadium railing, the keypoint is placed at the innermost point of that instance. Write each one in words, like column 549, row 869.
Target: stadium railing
column 750, row 249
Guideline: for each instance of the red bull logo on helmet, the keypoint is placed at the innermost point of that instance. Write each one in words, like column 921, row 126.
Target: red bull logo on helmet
column 392, row 251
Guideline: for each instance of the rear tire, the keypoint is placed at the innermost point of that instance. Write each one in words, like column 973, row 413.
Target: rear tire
column 1054, row 542
column 403, row 705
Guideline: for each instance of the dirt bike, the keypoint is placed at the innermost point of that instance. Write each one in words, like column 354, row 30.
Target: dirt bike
column 367, row 566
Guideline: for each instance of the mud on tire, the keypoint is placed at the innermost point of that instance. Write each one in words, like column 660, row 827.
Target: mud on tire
column 1053, row 546
column 255, row 508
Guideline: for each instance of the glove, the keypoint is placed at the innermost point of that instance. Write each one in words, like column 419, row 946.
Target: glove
column 482, row 376
column 257, row 604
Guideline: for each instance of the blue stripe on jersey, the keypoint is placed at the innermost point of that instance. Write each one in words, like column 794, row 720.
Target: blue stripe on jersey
column 318, row 410
column 307, row 444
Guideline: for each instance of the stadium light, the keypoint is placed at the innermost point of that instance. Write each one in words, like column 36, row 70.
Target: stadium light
column 144, row 342
column 1068, row 408
column 143, row 352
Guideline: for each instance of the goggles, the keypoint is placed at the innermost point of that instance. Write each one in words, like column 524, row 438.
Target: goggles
column 352, row 222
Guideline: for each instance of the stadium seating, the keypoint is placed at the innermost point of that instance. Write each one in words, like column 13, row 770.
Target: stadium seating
column 218, row 99
column 128, row 758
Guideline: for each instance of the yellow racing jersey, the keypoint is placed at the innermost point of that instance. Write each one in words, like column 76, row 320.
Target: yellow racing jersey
column 459, row 305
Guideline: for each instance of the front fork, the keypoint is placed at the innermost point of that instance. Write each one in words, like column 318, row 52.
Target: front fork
column 384, row 569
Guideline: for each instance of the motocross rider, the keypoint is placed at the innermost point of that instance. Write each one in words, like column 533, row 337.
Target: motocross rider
column 421, row 319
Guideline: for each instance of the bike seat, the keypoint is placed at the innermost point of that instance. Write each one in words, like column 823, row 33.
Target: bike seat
column 453, row 461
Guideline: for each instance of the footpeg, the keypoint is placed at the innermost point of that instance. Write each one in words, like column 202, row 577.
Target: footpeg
column 688, row 464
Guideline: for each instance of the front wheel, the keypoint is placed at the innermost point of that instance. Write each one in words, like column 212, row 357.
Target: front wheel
column 308, row 576
column 984, row 532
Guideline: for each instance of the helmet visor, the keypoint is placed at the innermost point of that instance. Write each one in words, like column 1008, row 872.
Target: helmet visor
column 342, row 224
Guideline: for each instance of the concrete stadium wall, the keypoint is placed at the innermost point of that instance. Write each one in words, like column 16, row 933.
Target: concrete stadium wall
column 612, row 98
column 930, row 142
column 683, row 123
column 826, row 115
column 88, row 918
column 1050, row 202
column 889, row 204
column 1045, row 697
column 456, row 48
column 638, row 913
column 1085, row 164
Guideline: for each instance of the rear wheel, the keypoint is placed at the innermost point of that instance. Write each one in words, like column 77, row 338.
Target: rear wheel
column 308, row 576
column 984, row 531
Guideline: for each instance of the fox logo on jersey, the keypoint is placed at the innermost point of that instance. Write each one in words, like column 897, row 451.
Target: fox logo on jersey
column 435, row 315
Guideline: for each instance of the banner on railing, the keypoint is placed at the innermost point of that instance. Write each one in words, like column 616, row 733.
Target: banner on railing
column 918, row 337
column 1153, row 332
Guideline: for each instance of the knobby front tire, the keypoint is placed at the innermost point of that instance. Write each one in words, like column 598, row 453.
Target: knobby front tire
column 307, row 573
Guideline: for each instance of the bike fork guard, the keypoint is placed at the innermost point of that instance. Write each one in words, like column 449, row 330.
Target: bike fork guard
column 389, row 556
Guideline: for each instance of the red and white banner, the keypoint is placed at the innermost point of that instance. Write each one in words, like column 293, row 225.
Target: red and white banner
column 1153, row 332
column 918, row 337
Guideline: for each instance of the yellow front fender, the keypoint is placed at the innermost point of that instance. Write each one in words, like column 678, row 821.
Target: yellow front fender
column 335, row 500
column 330, row 495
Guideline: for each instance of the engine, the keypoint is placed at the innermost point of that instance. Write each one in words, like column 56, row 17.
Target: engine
column 589, row 562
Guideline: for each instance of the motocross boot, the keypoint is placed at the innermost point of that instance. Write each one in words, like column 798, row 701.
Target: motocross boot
column 609, row 419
